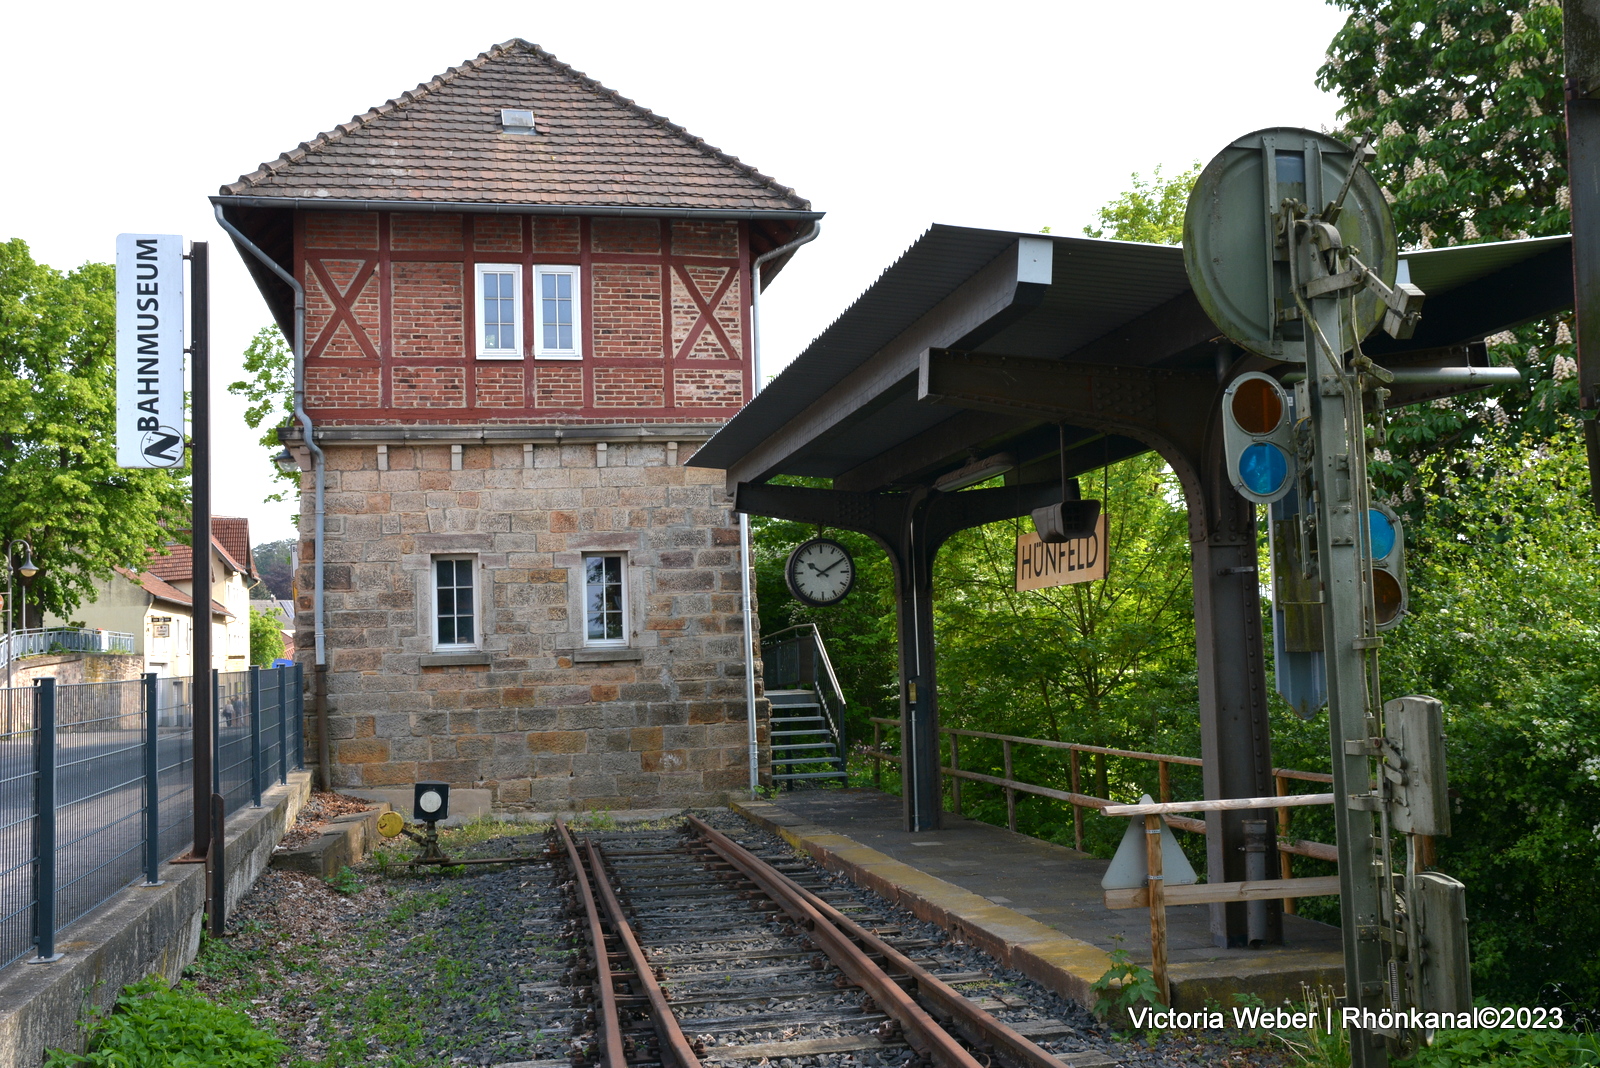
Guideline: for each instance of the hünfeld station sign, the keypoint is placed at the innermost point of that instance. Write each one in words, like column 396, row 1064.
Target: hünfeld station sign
column 1041, row 565
column 149, row 350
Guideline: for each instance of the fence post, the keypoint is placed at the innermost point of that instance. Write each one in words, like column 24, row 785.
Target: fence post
column 1166, row 781
column 152, row 783
column 955, row 780
column 255, row 735
column 1158, row 907
column 299, row 715
column 1281, row 786
column 216, row 732
column 877, row 761
column 44, row 909
column 1011, row 793
column 1077, row 813
column 283, row 725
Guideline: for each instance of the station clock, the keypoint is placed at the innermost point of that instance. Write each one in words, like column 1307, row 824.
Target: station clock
column 820, row 572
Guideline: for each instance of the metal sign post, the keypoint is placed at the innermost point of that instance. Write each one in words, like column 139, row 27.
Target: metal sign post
column 150, row 415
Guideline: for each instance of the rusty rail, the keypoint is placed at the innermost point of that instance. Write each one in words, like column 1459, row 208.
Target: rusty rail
column 610, row 1030
column 676, row 1051
column 1080, row 801
column 853, row 948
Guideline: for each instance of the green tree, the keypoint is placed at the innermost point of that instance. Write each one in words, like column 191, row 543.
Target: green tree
column 273, row 560
column 1150, row 211
column 269, row 393
column 266, row 638
column 60, row 486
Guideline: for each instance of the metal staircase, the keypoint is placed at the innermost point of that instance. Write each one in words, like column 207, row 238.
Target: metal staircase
column 807, row 720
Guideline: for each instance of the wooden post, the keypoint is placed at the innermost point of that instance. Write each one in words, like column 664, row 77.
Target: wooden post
column 1077, row 813
column 1011, row 794
column 1427, row 855
column 955, row 780
column 1285, row 870
column 1166, row 781
column 1158, row 907
column 877, row 761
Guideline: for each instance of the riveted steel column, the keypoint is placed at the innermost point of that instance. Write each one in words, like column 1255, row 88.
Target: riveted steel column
column 919, row 705
column 1581, row 31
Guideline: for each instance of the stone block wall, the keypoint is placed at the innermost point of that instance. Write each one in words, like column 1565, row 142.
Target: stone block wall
column 534, row 716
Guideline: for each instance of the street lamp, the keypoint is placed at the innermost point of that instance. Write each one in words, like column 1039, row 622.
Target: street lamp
column 286, row 462
column 27, row 569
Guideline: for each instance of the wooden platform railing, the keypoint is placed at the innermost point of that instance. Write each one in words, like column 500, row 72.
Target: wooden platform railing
column 1079, row 800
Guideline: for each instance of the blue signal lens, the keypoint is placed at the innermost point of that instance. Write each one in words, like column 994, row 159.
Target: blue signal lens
column 1380, row 532
column 1262, row 468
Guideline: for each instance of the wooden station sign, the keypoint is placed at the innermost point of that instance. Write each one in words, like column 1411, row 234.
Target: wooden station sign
column 1041, row 566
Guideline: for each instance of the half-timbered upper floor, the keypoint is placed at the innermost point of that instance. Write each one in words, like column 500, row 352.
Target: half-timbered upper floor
column 512, row 242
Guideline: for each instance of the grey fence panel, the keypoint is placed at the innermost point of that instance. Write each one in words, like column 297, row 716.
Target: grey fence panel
column 18, row 786
column 270, row 729
column 232, row 724
column 100, row 795
column 175, row 764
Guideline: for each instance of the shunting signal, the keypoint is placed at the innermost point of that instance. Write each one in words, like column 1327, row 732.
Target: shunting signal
column 1258, row 435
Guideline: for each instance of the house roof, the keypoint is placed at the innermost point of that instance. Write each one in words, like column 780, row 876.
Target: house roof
column 441, row 146
column 177, row 566
column 163, row 590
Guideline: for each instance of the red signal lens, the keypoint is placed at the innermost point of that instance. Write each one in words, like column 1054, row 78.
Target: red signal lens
column 1257, row 407
column 1385, row 596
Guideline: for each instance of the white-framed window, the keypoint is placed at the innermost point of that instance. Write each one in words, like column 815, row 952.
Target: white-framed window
column 605, row 599
column 455, row 602
column 557, row 314
column 499, row 311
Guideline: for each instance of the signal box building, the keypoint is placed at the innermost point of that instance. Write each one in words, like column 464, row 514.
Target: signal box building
column 526, row 302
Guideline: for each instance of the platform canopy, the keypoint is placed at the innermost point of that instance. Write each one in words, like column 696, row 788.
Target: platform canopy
column 848, row 407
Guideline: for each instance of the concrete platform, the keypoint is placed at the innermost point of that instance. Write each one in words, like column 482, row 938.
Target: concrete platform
column 1034, row 905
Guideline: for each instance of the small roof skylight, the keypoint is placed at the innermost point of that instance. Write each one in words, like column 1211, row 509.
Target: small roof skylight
column 517, row 121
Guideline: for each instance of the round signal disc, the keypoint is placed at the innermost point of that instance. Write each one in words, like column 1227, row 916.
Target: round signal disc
column 1385, row 596
column 1380, row 532
column 1257, row 407
column 1262, row 468
column 430, row 801
column 391, row 824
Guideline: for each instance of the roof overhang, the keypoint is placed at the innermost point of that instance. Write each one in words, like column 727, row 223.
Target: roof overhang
column 847, row 408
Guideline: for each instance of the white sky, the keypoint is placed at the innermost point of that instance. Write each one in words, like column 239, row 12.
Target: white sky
column 889, row 117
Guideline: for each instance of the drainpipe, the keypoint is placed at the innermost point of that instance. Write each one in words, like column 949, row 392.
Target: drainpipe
column 319, row 690
column 744, row 520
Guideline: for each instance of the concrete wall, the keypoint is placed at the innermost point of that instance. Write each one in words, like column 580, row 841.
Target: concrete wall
column 143, row 930
column 534, row 716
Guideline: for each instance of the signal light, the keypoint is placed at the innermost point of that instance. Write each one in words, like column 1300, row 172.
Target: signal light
column 1387, row 541
column 431, row 802
column 1258, row 436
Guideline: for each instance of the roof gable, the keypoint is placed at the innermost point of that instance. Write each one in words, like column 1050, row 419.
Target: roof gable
column 442, row 143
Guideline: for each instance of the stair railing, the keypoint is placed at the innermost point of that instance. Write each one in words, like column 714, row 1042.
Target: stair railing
column 790, row 663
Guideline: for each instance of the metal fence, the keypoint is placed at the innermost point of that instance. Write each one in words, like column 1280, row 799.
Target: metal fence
column 36, row 640
column 96, row 785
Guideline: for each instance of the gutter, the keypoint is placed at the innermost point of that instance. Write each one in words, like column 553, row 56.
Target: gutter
column 318, row 466
column 481, row 208
column 744, row 518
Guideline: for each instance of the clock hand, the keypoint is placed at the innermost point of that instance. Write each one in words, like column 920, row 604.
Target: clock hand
column 831, row 566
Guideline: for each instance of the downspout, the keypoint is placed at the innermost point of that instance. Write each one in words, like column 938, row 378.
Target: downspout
column 744, row 520
column 320, row 686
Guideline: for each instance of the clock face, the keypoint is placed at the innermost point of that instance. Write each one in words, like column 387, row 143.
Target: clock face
column 820, row 572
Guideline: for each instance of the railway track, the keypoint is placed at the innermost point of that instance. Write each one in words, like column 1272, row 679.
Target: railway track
column 702, row 950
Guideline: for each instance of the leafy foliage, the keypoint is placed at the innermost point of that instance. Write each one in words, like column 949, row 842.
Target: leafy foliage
column 1151, row 211
column 1123, row 986
column 266, row 638
column 275, row 565
column 60, row 486
column 269, row 391
column 154, row 1026
column 1507, row 1049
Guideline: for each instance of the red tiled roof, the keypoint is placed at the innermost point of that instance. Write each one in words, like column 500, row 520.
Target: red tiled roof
column 443, row 142
column 177, row 566
column 232, row 533
column 162, row 590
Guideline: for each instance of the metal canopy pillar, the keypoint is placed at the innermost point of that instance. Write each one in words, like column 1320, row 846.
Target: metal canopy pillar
column 1178, row 413
column 1581, row 49
column 910, row 527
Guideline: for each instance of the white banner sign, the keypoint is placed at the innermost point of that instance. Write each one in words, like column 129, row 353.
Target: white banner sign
column 150, row 318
